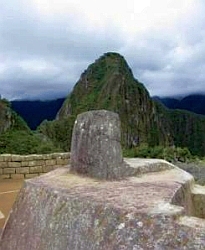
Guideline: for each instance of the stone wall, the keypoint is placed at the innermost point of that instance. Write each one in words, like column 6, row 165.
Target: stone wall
column 29, row 166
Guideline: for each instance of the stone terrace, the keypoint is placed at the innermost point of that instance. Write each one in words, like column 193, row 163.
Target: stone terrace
column 29, row 166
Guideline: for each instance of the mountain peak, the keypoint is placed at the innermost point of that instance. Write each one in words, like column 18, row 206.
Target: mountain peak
column 109, row 84
column 107, row 64
column 112, row 57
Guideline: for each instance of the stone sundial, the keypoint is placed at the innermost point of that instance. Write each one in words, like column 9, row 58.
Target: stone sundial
column 96, row 149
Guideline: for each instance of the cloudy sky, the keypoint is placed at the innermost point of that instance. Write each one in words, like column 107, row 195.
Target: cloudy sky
column 46, row 44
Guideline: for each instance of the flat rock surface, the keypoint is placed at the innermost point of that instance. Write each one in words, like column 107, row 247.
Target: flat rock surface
column 158, row 187
column 61, row 210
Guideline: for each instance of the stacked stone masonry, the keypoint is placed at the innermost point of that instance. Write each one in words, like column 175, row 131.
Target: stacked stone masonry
column 29, row 166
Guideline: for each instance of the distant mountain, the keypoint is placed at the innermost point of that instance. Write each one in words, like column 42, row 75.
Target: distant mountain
column 109, row 84
column 34, row 112
column 169, row 102
column 194, row 103
column 9, row 120
column 17, row 138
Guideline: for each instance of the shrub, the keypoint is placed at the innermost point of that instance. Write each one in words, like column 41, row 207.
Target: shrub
column 167, row 153
column 22, row 142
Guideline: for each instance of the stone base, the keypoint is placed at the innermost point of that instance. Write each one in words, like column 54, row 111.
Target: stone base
column 154, row 210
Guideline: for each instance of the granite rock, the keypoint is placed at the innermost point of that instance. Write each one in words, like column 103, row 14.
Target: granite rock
column 96, row 149
column 65, row 211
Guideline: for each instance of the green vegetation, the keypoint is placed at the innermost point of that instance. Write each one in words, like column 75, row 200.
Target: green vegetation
column 17, row 138
column 188, row 130
column 60, row 132
column 171, row 154
column 23, row 142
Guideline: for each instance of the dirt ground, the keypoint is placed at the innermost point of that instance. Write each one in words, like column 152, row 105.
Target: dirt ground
column 8, row 192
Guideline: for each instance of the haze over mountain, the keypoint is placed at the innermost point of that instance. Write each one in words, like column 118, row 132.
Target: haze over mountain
column 194, row 103
column 34, row 112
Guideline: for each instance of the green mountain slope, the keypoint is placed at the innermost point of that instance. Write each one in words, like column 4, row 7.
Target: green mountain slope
column 186, row 128
column 109, row 84
column 9, row 120
column 16, row 137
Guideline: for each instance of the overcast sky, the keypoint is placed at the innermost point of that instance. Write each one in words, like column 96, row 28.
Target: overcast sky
column 46, row 44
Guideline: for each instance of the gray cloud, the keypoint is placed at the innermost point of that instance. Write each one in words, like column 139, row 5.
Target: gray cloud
column 42, row 56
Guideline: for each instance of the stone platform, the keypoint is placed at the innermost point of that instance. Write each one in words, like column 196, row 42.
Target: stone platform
column 159, row 207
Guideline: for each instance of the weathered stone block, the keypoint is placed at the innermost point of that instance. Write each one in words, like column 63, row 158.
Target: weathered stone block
column 9, row 170
column 29, row 157
column 76, row 212
column 5, row 176
column 65, row 155
column 22, row 170
column 36, row 169
column 55, row 155
column 95, row 148
column 1, row 171
column 47, row 169
column 7, row 157
column 17, row 176
column 17, row 158
column 29, row 176
column 47, row 156
column 36, row 163
column 4, row 164
column 25, row 163
column 32, row 163
column 61, row 155
column 198, row 196
column 50, row 162
column 38, row 157
column 40, row 162
column 60, row 161
column 14, row 164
